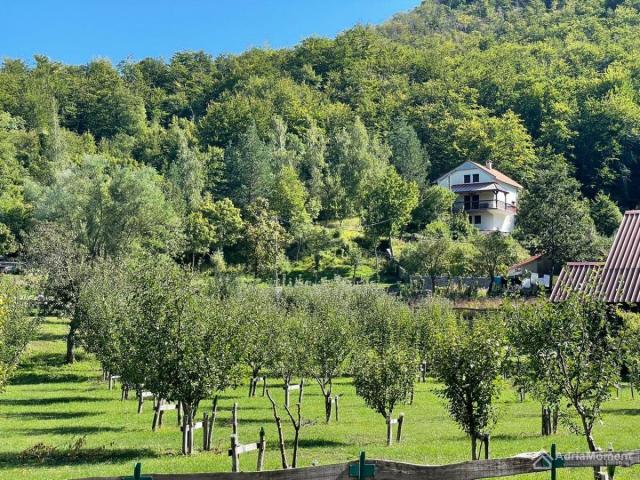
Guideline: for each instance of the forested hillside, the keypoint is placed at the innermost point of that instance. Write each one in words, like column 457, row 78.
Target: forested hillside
column 243, row 154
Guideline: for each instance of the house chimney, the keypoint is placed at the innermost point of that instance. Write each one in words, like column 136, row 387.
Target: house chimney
column 489, row 164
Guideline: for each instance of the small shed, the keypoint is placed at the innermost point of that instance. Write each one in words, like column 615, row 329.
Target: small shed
column 538, row 264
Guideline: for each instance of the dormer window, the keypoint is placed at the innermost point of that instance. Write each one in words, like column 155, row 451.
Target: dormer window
column 467, row 179
column 476, row 178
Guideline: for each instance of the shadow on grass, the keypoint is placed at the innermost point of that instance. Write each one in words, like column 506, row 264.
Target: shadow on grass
column 515, row 436
column 315, row 443
column 26, row 402
column 70, row 430
column 43, row 360
column 42, row 455
column 29, row 378
column 259, row 421
column 50, row 337
column 621, row 411
column 49, row 415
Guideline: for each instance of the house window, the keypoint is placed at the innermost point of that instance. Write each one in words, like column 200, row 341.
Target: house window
column 467, row 179
column 470, row 219
column 476, row 177
column 477, row 219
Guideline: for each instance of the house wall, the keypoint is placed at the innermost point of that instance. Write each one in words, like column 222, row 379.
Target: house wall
column 492, row 220
column 456, row 177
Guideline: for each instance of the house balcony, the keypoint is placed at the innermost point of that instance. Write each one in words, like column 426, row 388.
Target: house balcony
column 477, row 205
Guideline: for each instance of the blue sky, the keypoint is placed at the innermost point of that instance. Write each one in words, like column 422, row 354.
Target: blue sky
column 76, row 31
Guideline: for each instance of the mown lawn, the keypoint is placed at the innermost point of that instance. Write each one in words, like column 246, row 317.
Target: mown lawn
column 59, row 422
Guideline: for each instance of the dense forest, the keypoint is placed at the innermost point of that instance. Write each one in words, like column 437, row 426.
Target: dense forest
column 245, row 159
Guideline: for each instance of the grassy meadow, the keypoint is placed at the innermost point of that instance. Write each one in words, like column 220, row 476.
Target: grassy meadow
column 60, row 422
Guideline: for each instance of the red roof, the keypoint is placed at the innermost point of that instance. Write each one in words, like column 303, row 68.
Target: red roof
column 501, row 177
column 498, row 175
column 525, row 262
column 621, row 276
column 615, row 281
column 577, row 277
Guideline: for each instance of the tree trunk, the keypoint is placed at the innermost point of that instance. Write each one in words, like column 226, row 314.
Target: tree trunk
column 71, row 345
column 327, row 405
column 591, row 443
column 474, row 451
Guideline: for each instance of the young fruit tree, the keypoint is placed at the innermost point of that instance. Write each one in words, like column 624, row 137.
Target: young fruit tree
column 180, row 332
column 577, row 347
column 469, row 361
column 61, row 264
column 17, row 328
column 424, row 315
column 530, row 370
column 108, row 331
column 328, row 331
column 259, row 315
column 289, row 347
column 495, row 253
column 384, row 359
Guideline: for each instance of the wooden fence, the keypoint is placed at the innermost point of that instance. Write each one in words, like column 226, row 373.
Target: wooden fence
column 539, row 462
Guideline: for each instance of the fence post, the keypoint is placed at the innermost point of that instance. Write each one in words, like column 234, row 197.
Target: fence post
column 156, row 415
column 400, row 422
column 264, row 384
column 286, row 394
column 205, row 430
column 487, row 441
column 235, row 458
column 336, row 402
column 611, row 469
column 261, row 448
column 214, row 413
column 388, row 430
column 234, row 418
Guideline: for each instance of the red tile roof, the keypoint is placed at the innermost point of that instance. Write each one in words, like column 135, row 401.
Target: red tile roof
column 615, row 281
column 498, row 175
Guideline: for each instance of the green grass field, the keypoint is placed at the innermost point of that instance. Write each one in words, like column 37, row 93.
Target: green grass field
column 59, row 422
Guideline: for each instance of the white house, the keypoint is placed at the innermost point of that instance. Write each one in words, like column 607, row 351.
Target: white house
column 487, row 196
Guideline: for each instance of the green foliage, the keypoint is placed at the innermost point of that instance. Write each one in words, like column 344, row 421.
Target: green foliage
column 431, row 254
column 109, row 208
column 469, row 360
column 554, row 220
column 314, row 128
column 289, row 200
column 496, row 252
column 17, row 328
column 259, row 318
column 7, row 240
column 265, row 240
column 407, row 154
column 385, row 360
column 606, row 214
column 213, row 224
column 388, row 205
column 574, row 351
column 248, row 169
column 162, row 327
column 435, row 204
